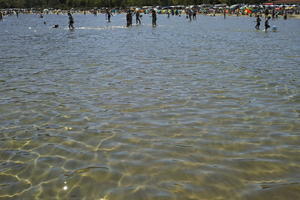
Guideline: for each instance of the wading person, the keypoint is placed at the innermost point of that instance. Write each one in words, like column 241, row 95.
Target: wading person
column 137, row 17
column 154, row 18
column 267, row 24
column 194, row 14
column 108, row 14
column 1, row 16
column 285, row 15
column 129, row 18
column 71, row 21
column 266, row 13
column 258, row 20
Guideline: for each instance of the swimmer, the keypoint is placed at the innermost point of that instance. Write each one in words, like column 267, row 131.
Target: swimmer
column 55, row 26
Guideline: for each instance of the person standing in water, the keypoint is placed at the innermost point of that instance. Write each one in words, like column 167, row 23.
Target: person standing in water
column 258, row 20
column 71, row 21
column 194, row 14
column 266, row 13
column 189, row 11
column 129, row 18
column 108, row 15
column 267, row 24
column 154, row 17
column 285, row 15
column 1, row 16
column 137, row 17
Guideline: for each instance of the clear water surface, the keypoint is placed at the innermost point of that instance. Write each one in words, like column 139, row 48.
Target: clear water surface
column 204, row 110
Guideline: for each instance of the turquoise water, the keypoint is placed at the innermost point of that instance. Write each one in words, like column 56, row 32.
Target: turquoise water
column 207, row 109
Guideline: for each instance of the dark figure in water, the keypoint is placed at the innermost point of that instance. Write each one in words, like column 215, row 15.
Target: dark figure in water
column 154, row 18
column 108, row 14
column 267, row 24
column 224, row 13
column 258, row 20
column 55, row 26
column 129, row 18
column 1, row 16
column 266, row 13
column 137, row 17
column 285, row 16
column 71, row 21
column 194, row 14
column 273, row 14
column 17, row 13
column 190, row 14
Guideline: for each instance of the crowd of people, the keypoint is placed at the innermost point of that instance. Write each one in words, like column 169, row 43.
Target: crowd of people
column 190, row 13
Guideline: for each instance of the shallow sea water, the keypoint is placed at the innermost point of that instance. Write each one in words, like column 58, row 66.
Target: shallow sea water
column 204, row 110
